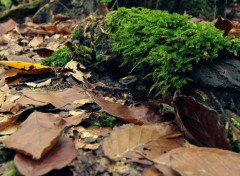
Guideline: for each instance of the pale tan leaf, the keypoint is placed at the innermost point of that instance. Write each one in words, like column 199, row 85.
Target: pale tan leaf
column 36, row 41
column 129, row 138
column 201, row 161
column 42, row 84
column 59, row 99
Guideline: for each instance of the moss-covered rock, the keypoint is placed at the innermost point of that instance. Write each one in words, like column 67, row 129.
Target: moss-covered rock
column 165, row 46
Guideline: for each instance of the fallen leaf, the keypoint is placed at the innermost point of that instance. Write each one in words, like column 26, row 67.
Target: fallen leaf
column 224, row 25
column 76, row 119
column 201, row 161
column 61, row 99
column 7, row 26
column 9, row 130
column 44, row 52
column 23, row 65
column 60, row 156
column 37, row 135
column 50, row 27
column 42, row 84
column 128, row 138
column 8, row 120
column 199, row 123
column 79, row 143
column 137, row 114
column 36, row 41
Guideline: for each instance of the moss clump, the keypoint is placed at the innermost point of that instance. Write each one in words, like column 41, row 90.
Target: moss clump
column 75, row 52
column 165, row 45
column 58, row 59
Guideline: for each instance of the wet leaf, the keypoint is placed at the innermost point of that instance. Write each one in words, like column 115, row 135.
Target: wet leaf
column 37, row 135
column 137, row 114
column 60, row 156
column 199, row 123
column 128, row 138
column 201, row 161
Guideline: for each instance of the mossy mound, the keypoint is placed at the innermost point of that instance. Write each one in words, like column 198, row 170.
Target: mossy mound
column 165, row 46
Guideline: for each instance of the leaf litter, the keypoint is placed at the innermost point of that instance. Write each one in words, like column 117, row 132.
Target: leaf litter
column 148, row 145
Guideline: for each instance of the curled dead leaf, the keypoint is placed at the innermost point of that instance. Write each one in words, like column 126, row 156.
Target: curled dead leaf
column 199, row 123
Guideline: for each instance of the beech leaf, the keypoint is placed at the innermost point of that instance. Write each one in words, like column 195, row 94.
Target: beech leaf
column 137, row 114
column 61, row 99
column 37, row 135
column 201, row 161
column 130, row 138
column 199, row 123
column 60, row 156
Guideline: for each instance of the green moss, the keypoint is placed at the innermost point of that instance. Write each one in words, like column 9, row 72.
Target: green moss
column 13, row 171
column 59, row 58
column 102, row 120
column 78, row 33
column 165, row 45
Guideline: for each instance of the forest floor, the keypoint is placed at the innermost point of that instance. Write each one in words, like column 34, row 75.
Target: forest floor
column 72, row 120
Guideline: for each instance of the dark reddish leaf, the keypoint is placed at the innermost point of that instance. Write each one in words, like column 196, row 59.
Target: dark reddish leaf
column 199, row 123
column 224, row 25
column 44, row 52
column 60, row 156
column 136, row 114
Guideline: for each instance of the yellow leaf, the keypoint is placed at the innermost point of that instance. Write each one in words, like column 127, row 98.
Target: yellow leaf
column 23, row 65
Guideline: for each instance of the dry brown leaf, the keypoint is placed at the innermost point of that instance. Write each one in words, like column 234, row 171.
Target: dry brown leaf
column 41, row 84
column 14, row 76
column 9, row 130
column 61, row 99
column 7, row 26
column 76, row 119
column 201, row 161
column 60, row 156
column 36, row 41
column 8, row 120
column 79, row 143
column 199, row 123
column 37, row 135
column 80, row 76
column 130, row 138
column 136, row 114
column 49, row 27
